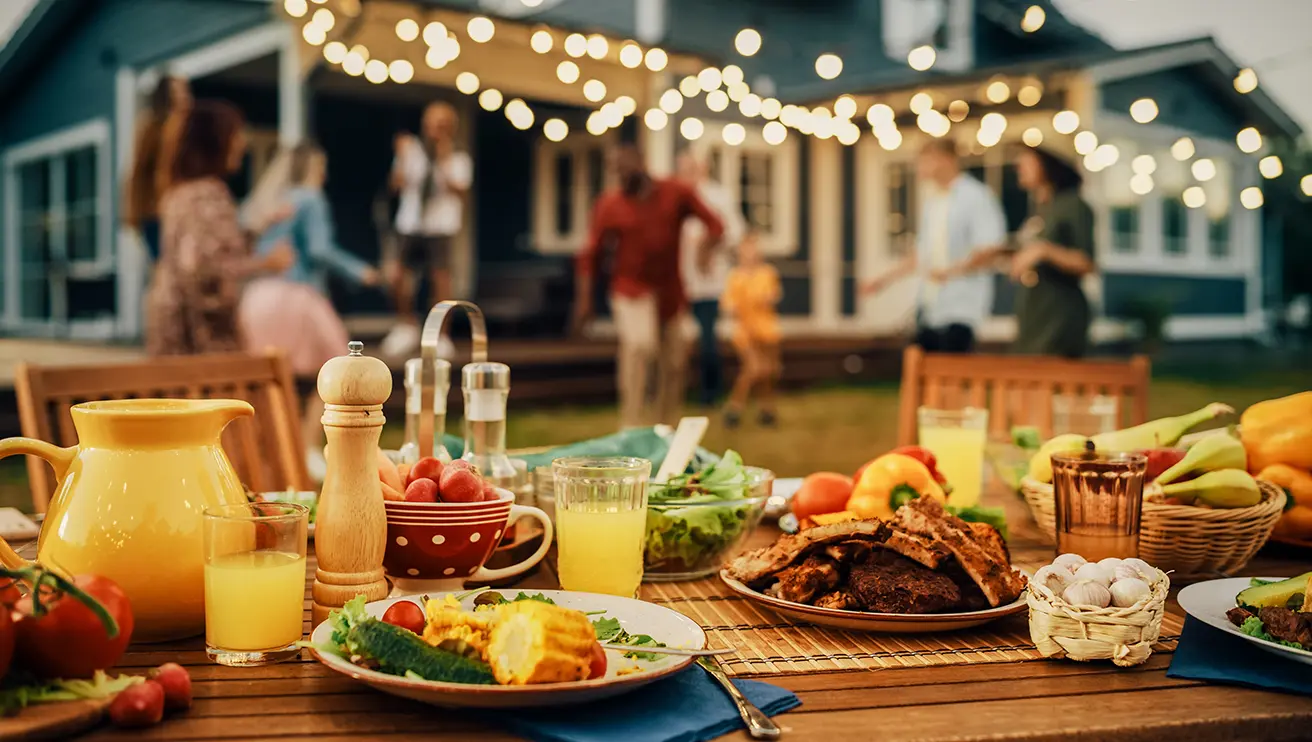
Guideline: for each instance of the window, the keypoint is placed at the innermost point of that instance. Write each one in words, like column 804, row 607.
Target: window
column 902, row 208
column 755, row 189
column 568, row 178
column 1175, row 226
column 1218, row 236
column 762, row 179
column 1125, row 228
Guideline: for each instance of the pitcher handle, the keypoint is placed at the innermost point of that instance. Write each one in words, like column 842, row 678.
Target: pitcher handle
column 58, row 458
column 516, row 512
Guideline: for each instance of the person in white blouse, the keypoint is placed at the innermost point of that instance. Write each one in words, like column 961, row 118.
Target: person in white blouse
column 432, row 178
column 960, row 218
column 704, row 288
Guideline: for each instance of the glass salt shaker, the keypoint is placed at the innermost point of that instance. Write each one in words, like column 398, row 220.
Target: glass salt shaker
column 486, row 388
column 414, row 405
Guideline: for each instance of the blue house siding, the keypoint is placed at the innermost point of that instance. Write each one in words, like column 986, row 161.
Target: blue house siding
column 1183, row 101
column 1188, row 296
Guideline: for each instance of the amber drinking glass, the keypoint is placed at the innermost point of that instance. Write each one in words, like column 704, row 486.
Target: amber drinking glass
column 1099, row 497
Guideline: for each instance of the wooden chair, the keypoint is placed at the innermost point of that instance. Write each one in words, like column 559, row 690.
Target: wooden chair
column 1016, row 390
column 267, row 450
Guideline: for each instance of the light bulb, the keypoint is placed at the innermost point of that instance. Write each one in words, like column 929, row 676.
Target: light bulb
column 401, row 71
column 323, row 18
column 717, row 100
column 1107, row 154
column 334, row 52
column 738, row 91
column 541, row 41
column 436, row 57
column 671, row 101
column 375, row 71
column 1246, row 81
column 1141, row 184
column 296, row 8
column 1143, row 165
column 490, row 99
column 467, row 83
column 555, row 130
column 1065, row 122
column 890, row 140
column 631, row 56
column 922, row 58
column 480, row 29
column 627, row 104
column 656, row 59
column 567, row 72
column 612, row 114
column 435, row 33
column 353, row 63
column 845, row 107
column 750, row 105
column 594, row 90
column 314, row 35
column 1033, row 19
column 879, row 114
column 1183, row 149
column 997, row 92
column 1251, row 197
column 732, row 74
column 1194, row 197
column 1249, row 140
column 828, row 66
column 734, row 134
column 709, row 79
column 1203, row 169
column 595, row 125
column 958, row 110
column 747, row 42
column 407, row 29
column 689, row 86
column 774, row 133
column 1143, row 110
column 598, row 46
column 655, row 119
column 994, row 122
column 1270, row 167
column 1086, row 142
column 921, row 102
column 1305, row 185
column 771, row 108
column 691, row 128
column 1029, row 95
column 576, row 45
column 1032, row 137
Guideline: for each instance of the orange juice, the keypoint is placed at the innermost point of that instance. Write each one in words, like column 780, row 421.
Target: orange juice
column 254, row 600
column 960, row 454
column 600, row 548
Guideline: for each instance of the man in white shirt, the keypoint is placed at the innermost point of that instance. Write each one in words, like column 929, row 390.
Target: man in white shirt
column 705, row 287
column 959, row 218
column 432, row 178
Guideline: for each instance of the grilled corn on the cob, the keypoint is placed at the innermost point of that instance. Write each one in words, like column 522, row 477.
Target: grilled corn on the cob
column 534, row 642
column 453, row 629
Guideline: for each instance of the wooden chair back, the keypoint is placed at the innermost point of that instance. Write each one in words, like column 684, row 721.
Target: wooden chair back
column 267, row 450
column 1017, row 390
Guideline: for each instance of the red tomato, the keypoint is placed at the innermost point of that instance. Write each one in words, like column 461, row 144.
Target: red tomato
column 407, row 615
column 70, row 641
column 822, row 493
column 425, row 468
column 421, row 490
column 461, row 485
column 597, row 662
column 6, row 640
column 9, row 594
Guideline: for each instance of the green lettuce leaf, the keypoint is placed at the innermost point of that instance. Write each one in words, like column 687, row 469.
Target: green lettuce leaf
column 1253, row 627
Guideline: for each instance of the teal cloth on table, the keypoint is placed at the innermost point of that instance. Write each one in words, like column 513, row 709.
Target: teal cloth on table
column 643, row 443
column 1205, row 653
column 689, row 707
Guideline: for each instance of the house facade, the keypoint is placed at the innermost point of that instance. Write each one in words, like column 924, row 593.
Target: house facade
column 810, row 113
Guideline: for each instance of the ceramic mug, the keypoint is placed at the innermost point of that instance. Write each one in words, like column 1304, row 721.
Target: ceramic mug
column 438, row 547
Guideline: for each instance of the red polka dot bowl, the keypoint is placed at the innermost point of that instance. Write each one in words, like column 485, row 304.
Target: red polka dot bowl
column 435, row 547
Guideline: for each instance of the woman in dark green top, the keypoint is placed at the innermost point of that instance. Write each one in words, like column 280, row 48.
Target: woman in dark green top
column 1056, row 251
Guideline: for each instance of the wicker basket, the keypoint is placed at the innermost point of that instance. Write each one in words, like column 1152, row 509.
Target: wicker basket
column 1192, row 542
column 1123, row 635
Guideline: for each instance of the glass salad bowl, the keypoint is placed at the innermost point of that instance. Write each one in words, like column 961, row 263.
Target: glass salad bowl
column 693, row 529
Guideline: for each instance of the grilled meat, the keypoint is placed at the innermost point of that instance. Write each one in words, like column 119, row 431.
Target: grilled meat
column 972, row 598
column 849, row 552
column 755, row 566
column 1238, row 615
column 815, row 575
column 889, row 583
column 985, row 562
column 1287, row 625
column 840, row 600
column 916, row 548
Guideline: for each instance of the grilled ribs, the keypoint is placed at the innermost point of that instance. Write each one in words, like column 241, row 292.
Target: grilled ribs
column 889, row 583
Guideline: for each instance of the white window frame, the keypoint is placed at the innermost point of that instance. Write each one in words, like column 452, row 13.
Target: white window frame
column 96, row 134
column 782, row 240
column 546, row 240
column 958, row 17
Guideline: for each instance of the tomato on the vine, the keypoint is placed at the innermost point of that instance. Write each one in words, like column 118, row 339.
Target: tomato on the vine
column 69, row 640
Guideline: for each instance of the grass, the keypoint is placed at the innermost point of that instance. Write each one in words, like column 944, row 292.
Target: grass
column 823, row 429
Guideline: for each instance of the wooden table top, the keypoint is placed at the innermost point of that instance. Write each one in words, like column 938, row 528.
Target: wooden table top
column 1043, row 700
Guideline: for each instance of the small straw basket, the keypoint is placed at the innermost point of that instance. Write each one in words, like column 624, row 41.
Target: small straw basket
column 1123, row 635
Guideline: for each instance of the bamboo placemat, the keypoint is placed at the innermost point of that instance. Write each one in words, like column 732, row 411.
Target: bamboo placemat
column 771, row 644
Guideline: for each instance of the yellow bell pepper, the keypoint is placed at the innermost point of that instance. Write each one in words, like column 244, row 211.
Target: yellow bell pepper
column 1296, row 482
column 1278, row 431
column 890, row 481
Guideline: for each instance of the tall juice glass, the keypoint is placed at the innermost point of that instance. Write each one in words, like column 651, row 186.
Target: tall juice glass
column 254, row 582
column 957, row 438
column 601, row 521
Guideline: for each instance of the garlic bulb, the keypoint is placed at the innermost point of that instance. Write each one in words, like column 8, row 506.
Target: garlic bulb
column 1069, row 562
column 1087, row 593
column 1096, row 573
column 1146, row 571
column 1054, row 578
column 1127, row 592
column 1109, row 563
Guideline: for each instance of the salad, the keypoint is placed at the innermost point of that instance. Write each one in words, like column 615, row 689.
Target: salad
column 695, row 520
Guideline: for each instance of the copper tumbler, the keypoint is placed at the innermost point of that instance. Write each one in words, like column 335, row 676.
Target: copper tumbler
column 1099, row 498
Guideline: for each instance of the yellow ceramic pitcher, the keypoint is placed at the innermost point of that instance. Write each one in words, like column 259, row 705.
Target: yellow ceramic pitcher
column 130, row 499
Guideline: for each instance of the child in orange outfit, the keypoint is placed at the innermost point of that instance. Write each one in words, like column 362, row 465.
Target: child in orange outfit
column 750, row 297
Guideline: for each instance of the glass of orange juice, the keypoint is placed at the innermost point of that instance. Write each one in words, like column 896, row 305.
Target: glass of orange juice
column 601, row 522
column 254, row 582
column 957, row 438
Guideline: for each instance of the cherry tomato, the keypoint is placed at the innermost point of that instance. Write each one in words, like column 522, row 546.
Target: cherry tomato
column 461, row 485
column 407, row 615
column 597, row 662
column 176, row 682
column 138, row 706
column 421, row 490
column 70, row 641
column 425, row 468
column 6, row 640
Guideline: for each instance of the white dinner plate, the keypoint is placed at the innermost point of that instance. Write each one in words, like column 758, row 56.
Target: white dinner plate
column 889, row 623
column 636, row 617
column 1208, row 602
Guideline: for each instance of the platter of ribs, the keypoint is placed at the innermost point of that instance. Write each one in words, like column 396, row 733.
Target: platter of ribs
column 923, row 570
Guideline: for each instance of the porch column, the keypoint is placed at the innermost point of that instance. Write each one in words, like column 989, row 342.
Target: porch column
column 826, row 232
column 658, row 145
column 292, row 72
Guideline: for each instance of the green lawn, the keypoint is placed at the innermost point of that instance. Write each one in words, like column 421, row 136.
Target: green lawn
column 820, row 429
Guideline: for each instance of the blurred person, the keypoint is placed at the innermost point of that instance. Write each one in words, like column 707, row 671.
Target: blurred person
column 290, row 310
column 170, row 98
column 960, row 224
column 642, row 222
column 432, row 178
column 205, row 254
column 704, row 288
column 751, row 298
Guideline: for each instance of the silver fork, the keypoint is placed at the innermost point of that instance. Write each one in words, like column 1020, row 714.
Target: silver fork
column 759, row 726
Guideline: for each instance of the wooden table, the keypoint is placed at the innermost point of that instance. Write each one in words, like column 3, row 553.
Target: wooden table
column 1045, row 700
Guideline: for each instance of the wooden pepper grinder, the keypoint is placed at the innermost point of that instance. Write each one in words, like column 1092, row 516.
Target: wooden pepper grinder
column 351, row 524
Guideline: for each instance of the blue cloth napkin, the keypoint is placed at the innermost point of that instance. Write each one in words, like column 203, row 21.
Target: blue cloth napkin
column 689, row 707
column 1205, row 653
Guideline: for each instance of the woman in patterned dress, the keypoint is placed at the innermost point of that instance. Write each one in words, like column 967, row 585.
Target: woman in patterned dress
column 205, row 254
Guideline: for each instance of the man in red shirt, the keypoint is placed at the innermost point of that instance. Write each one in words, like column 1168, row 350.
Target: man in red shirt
column 641, row 221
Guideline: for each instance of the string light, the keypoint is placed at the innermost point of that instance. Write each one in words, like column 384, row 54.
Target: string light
column 595, row 125
column 997, row 92
column 631, row 56
column 1251, row 197
column 747, row 42
column 828, row 66
column 1270, row 167
column 490, row 99
column 921, row 58
column 467, row 83
column 314, row 34
column 1107, row 155
column 1183, row 149
column 1032, row 137
column 1194, row 197
column 733, row 134
column 749, row 106
column 375, row 71
column 598, row 46
column 671, row 101
column 1029, row 95
column 296, row 8
column 1246, row 81
column 890, row 140
column 879, row 114
column 407, row 29
column 401, row 71
column 353, row 63
column 775, row 133
column 1203, row 169
column 732, row 74
column 480, row 29
column 334, row 52
column 435, row 33
column 1065, row 122
column 845, row 107
column 1141, row 184
column 1143, row 110
column 627, row 104
column 958, row 110
column 988, row 137
column 921, row 102
column 567, row 72
column 656, row 59
column 1305, row 184
column 518, row 113
column 691, row 128
column 1143, row 165
column 1249, row 140
column 1033, row 19
column 771, row 108
column 594, row 90
column 934, row 123
column 709, row 79
column 994, row 122
column 689, row 86
column 541, row 41
column 655, row 119
column 847, row 133
column 1086, row 142
column 555, row 130
column 717, row 100
column 612, row 114
column 576, row 45
column 738, row 91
